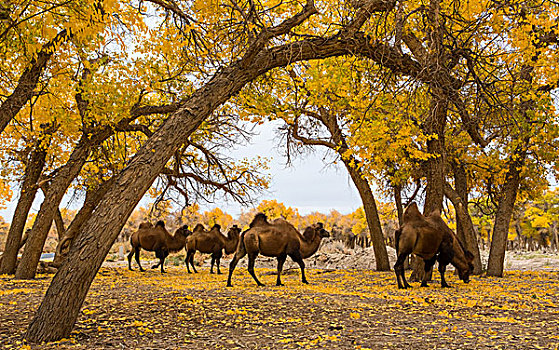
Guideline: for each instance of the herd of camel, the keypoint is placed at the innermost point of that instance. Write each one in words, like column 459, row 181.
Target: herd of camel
column 428, row 237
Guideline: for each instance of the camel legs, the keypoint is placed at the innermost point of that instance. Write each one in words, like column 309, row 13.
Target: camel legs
column 190, row 260
column 186, row 260
column 428, row 266
column 400, row 273
column 251, row 260
column 445, row 257
column 239, row 254
column 161, row 254
column 130, row 255
column 442, row 269
column 296, row 256
column 217, row 258
column 137, row 255
column 281, row 260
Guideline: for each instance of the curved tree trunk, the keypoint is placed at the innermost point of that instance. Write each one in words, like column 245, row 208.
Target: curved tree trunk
column 29, row 189
column 92, row 199
column 53, row 196
column 469, row 234
column 373, row 221
column 495, row 264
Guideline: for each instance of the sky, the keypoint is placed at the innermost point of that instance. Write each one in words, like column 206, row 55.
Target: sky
column 308, row 185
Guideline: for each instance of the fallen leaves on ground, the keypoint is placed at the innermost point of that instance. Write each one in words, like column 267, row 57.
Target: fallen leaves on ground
column 345, row 309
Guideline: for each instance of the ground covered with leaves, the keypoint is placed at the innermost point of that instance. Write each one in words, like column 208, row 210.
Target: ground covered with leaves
column 340, row 309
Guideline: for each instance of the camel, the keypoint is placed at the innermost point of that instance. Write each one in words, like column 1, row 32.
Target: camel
column 277, row 239
column 211, row 242
column 156, row 239
column 430, row 238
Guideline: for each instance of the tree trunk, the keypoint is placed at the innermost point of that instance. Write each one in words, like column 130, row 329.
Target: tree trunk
column 469, row 239
column 371, row 213
column 504, row 213
column 434, row 192
column 59, row 224
column 53, row 196
column 92, row 199
column 29, row 188
column 435, row 125
column 59, row 309
column 399, row 205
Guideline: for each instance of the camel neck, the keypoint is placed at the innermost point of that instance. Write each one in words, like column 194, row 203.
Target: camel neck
column 310, row 247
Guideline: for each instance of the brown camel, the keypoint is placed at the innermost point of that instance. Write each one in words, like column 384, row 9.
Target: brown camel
column 211, row 242
column 430, row 238
column 277, row 239
column 156, row 239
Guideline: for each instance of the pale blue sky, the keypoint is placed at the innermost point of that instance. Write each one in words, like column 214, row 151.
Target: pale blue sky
column 309, row 184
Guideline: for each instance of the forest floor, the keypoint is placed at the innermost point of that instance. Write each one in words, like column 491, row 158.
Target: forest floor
column 342, row 309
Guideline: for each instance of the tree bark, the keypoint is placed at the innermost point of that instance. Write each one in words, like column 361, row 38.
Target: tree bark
column 53, row 196
column 59, row 224
column 435, row 125
column 469, row 239
column 60, row 307
column 373, row 221
column 435, row 174
column 92, row 199
column 495, row 265
column 399, row 205
column 29, row 189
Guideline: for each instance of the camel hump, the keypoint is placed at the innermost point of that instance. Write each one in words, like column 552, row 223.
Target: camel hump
column 412, row 213
column 217, row 227
column 160, row 223
column 145, row 225
column 259, row 219
column 198, row 228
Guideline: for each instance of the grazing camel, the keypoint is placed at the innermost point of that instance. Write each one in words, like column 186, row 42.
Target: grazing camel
column 156, row 239
column 211, row 242
column 431, row 239
column 277, row 239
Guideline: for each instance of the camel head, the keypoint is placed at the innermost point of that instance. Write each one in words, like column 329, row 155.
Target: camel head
column 234, row 231
column 464, row 273
column 315, row 230
column 183, row 231
column 321, row 231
